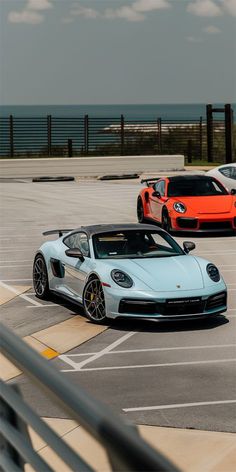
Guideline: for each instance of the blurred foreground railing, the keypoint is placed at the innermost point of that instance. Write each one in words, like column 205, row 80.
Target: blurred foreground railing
column 126, row 450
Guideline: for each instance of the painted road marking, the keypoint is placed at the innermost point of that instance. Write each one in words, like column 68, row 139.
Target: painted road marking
column 178, row 405
column 17, row 292
column 142, row 366
column 100, row 353
column 177, row 348
column 7, row 295
column 19, row 265
column 50, row 353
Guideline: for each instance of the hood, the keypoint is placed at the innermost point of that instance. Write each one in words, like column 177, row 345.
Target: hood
column 208, row 205
column 162, row 274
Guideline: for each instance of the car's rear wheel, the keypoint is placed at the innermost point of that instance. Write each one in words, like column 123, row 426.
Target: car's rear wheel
column 166, row 223
column 140, row 211
column 94, row 301
column 40, row 278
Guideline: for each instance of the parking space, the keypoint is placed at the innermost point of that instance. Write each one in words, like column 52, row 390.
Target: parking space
column 167, row 374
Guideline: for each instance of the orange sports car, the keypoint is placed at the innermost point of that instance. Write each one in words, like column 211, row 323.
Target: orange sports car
column 188, row 203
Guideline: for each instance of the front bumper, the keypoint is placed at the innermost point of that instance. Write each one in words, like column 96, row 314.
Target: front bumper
column 203, row 224
column 167, row 305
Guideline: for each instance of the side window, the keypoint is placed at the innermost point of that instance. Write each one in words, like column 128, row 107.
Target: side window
column 78, row 240
column 160, row 187
column 229, row 172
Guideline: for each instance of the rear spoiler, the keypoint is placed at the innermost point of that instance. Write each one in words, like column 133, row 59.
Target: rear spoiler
column 150, row 181
column 60, row 232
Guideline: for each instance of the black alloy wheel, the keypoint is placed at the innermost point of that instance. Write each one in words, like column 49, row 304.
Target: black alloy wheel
column 94, row 301
column 140, row 211
column 40, row 277
column 166, row 223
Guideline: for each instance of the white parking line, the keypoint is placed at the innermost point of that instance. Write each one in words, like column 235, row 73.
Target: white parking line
column 178, row 405
column 12, row 262
column 21, row 295
column 19, row 265
column 154, row 349
column 94, row 357
column 15, row 280
column 140, row 366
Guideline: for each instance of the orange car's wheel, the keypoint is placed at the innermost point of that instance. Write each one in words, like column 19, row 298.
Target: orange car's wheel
column 166, row 222
column 140, row 211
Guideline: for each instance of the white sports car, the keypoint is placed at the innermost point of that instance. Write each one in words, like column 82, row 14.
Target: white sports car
column 225, row 174
column 128, row 270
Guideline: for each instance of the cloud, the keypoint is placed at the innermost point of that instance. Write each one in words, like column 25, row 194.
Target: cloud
column 193, row 39
column 125, row 12
column 25, row 16
column 134, row 11
column 30, row 14
column 204, row 8
column 39, row 5
column 212, row 29
column 85, row 12
column 150, row 5
column 229, row 6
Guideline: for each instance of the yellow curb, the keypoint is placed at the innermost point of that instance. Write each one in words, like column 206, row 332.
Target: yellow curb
column 55, row 340
column 69, row 334
column 50, row 353
column 7, row 295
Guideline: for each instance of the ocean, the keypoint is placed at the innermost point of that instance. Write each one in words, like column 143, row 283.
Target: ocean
column 185, row 112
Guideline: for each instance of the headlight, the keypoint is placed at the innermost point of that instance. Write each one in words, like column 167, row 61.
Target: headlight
column 121, row 278
column 213, row 272
column 179, row 207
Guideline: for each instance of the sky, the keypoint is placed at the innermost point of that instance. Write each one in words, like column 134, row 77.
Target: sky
column 62, row 52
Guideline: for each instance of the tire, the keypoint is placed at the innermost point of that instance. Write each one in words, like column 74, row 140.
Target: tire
column 40, row 278
column 119, row 177
column 166, row 222
column 94, row 301
column 140, row 211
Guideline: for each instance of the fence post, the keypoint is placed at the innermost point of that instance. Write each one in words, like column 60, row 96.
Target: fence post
column 200, row 138
column 122, row 134
column 11, row 129
column 49, row 133
column 70, row 148
column 159, row 135
column 209, row 133
column 228, row 134
column 86, row 134
column 190, row 150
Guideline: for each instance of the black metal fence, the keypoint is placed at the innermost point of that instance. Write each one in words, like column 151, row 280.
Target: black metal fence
column 125, row 449
column 89, row 136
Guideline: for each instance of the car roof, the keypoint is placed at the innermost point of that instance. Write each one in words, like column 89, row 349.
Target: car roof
column 108, row 228
column 176, row 178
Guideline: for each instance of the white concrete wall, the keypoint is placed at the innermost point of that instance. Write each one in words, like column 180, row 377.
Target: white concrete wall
column 89, row 166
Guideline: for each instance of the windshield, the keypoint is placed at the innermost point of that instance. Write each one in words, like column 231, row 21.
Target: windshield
column 195, row 188
column 134, row 244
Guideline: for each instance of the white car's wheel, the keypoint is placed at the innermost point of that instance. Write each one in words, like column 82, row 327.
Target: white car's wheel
column 94, row 301
column 40, row 278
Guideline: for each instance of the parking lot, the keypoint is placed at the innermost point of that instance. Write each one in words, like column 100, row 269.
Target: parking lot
column 167, row 374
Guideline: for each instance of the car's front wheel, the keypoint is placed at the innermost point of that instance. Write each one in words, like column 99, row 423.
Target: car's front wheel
column 166, row 222
column 40, row 278
column 94, row 301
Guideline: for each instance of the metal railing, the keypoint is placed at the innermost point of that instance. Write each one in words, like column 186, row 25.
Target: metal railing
column 125, row 449
column 89, row 136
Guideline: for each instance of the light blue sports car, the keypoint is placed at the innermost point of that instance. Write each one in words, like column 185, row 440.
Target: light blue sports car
column 128, row 270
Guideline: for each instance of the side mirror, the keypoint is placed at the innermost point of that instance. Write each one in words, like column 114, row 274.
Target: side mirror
column 156, row 194
column 75, row 252
column 233, row 191
column 188, row 246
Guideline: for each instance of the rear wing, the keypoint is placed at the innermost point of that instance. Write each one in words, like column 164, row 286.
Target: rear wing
column 60, row 232
column 150, row 181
